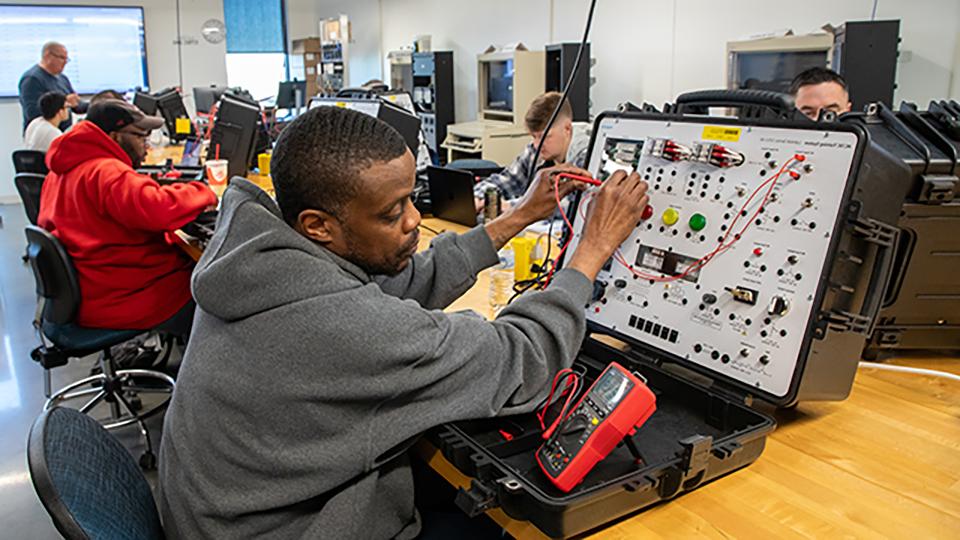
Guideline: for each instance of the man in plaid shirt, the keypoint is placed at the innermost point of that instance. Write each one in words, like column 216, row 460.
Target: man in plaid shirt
column 513, row 181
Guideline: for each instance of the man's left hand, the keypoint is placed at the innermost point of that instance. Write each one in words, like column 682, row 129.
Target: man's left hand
column 540, row 201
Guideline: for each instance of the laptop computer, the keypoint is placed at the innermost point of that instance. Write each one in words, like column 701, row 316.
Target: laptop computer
column 451, row 192
column 191, row 153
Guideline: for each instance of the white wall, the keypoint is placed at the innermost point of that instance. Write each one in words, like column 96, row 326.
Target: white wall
column 203, row 63
column 651, row 50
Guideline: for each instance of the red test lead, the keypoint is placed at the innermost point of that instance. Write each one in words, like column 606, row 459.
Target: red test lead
column 578, row 178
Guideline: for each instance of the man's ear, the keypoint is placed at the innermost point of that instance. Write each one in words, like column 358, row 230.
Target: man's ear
column 318, row 226
column 115, row 135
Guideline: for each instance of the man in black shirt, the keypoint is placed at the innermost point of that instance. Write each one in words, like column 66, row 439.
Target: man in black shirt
column 47, row 76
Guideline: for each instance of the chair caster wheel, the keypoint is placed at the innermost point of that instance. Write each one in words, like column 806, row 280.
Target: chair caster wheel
column 148, row 461
column 134, row 400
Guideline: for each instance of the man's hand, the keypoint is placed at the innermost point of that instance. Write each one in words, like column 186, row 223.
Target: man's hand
column 73, row 100
column 537, row 203
column 613, row 214
column 540, row 201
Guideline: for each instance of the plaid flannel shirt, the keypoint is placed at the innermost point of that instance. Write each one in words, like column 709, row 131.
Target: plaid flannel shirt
column 514, row 180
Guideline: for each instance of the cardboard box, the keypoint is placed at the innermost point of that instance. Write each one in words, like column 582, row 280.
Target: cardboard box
column 305, row 45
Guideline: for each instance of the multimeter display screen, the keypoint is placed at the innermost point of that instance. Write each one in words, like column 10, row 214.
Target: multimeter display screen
column 611, row 387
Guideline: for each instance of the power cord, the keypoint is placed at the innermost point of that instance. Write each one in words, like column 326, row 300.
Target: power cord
column 906, row 369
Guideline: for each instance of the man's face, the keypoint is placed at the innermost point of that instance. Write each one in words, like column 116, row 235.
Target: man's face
column 56, row 59
column 379, row 226
column 133, row 141
column 557, row 142
column 830, row 96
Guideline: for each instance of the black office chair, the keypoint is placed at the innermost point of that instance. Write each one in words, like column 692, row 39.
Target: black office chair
column 29, row 186
column 480, row 168
column 32, row 161
column 87, row 481
column 59, row 293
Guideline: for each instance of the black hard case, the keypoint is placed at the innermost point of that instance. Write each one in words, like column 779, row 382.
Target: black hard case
column 704, row 426
column 921, row 306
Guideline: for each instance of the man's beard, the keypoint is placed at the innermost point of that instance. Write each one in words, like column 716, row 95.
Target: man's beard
column 390, row 266
column 132, row 154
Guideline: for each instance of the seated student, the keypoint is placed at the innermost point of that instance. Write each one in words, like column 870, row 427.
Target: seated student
column 42, row 130
column 319, row 352
column 112, row 222
column 557, row 149
column 819, row 89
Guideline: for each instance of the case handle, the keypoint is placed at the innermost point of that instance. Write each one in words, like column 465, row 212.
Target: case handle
column 702, row 99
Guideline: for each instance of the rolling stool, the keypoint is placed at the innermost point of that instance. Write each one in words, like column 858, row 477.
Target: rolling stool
column 59, row 294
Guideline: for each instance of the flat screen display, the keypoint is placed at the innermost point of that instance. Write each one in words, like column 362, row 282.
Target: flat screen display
column 105, row 45
column 612, row 387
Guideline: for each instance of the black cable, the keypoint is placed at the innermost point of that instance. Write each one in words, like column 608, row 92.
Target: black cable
column 553, row 119
column 428, row 229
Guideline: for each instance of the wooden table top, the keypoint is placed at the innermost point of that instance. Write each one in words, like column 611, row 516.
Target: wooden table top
column 883, row 463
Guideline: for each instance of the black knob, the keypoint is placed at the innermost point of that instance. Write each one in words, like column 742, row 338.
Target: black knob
column 620, row 283
column 599, row 289
column 709, row 299
column 764, row 359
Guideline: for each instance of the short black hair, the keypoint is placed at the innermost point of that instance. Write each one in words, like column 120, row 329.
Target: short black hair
column 319, row 155
column 105, row 94
column 816, row 75
column 51, row 103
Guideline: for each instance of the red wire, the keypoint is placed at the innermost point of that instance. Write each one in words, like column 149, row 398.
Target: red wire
column 702, row 261
column 721, row 247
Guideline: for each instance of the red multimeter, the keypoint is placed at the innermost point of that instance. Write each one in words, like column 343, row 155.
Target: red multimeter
column 615, row 406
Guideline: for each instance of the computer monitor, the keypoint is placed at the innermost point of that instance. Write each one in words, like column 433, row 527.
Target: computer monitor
column 406, row 123
column 145, row 102
column 291, row 94
column 499, row 96
column 171, row 107
column 401, row 98
column 204, row 97
column 234, row 133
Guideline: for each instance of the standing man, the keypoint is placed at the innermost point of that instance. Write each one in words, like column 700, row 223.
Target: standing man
column 819, row 89
column 47, row 76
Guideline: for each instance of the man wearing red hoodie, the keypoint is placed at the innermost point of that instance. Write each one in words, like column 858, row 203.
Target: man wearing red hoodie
column 112, row 221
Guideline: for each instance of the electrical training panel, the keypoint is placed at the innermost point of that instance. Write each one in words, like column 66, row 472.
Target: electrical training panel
column 725, row 268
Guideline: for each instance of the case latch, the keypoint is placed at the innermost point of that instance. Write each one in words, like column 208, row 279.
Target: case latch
column 689, row 473
column 477, row 500
column 937, row 188
column 696, row 454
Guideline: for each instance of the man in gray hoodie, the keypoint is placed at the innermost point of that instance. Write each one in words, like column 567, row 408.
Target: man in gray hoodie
column 319, row 350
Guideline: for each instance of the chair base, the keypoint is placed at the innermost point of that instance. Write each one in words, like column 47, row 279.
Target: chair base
column 121, row 389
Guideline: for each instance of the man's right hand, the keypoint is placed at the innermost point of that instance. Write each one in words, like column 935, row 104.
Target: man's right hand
column 614, row 212
column 73, row 100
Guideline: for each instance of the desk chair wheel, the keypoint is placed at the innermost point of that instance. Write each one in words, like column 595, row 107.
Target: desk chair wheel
column 148, row 461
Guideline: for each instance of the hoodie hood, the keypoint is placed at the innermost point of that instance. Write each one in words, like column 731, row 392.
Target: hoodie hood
column 84, row 142
column 255, row 262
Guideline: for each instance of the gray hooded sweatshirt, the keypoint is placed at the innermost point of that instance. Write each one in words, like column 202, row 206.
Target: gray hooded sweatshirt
column 306, row 381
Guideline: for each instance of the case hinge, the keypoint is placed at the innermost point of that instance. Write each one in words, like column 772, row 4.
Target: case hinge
column 871, row 230
column 845, row 321
column 477, row 500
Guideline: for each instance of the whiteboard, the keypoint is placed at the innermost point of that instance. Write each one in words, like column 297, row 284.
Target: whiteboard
column 105, row 45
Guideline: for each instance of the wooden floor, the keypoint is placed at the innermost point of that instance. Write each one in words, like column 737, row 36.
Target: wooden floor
column 883, row 463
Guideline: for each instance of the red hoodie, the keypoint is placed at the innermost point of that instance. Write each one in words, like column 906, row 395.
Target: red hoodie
column 111, row 221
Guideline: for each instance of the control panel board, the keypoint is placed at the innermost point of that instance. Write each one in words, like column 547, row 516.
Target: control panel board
column 724, row 268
